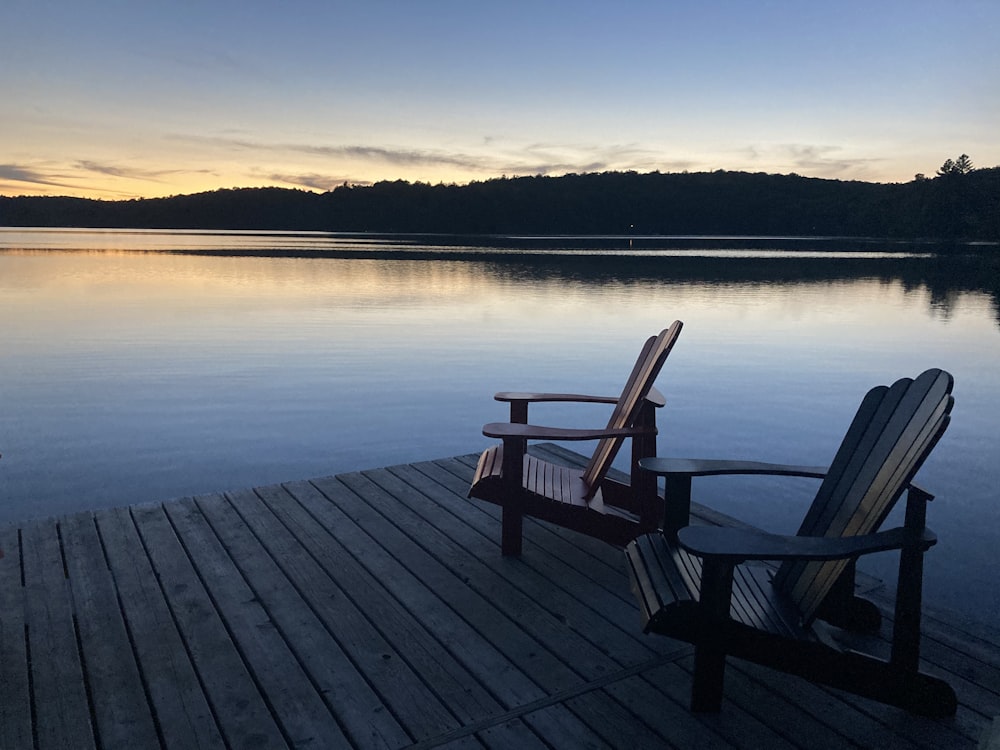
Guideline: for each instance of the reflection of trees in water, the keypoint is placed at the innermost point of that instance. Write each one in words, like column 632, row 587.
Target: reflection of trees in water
column 944, row 278
column 600, row 260
column 952, row 276
column 944, row 305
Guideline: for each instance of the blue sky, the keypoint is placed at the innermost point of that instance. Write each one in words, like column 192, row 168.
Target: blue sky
column 143, row 98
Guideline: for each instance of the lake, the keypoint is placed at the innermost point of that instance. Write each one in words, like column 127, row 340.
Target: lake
column 145, row 365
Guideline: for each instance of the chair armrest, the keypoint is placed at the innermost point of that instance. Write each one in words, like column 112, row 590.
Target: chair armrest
column 654, row 397
column 540, row 397
column 709, row 467
column 537, row 432
column 705, row 467
column 746, row 544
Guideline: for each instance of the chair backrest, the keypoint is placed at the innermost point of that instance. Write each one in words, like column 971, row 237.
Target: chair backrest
column 647, row 367
column 893, row 432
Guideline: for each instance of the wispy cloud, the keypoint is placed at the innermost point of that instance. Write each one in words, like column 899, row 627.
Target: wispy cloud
column 114, row 171
column 73, row 178
column 314, row 181
column 134, row 173
column 817, row 159
column 823, row 158
column 17, row 173
column 555, row 159
column 538, row 158
column 404, row 157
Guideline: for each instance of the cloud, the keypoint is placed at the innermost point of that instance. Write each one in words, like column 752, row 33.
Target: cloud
column 315, row 181
column 404, row 157
column 133, row 173
column 73, row 177
column 535, row 158
column 16, row 173
column 111, row 170
column 812, row 158
column 556, row 159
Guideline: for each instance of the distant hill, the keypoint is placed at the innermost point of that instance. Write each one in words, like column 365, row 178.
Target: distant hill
column 949, row 207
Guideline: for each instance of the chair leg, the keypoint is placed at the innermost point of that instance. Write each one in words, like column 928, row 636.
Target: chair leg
column 513, row 503
column 710, row 650
column 909, row 589
column 512, row 523
column 677, row 502
column 709, row 676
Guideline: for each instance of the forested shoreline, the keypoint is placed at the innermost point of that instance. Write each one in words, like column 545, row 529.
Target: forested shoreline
column 955, row 205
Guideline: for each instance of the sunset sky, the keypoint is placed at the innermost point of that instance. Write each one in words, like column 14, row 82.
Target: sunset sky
column 143, row 98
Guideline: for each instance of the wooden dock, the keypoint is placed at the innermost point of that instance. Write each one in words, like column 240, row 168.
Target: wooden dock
column 374, row 609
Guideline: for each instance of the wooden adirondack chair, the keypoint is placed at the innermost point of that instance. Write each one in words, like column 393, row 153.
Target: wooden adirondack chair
column 691, row 584
column 585, row 500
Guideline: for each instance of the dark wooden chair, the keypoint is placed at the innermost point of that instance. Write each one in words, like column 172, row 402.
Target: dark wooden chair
column 798, row 616
column 585, row 500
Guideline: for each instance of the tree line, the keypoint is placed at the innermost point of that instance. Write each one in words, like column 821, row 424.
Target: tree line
column 959, row 203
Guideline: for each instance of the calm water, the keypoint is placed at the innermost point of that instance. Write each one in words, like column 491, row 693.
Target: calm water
column 139, row 366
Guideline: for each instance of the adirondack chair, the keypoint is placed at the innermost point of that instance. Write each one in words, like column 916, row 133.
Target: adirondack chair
column 586, row 500
column 692, row 584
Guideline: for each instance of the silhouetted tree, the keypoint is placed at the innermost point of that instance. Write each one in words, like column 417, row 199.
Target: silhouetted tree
column 961, row 165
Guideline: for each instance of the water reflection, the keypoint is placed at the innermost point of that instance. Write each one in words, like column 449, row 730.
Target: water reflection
column 945, row 272
column 943, row 279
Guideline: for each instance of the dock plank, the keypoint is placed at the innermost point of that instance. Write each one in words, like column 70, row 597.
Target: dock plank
column 317, row 618
column 237, row 704
column 513, row 588
column 553, row 543
column 331, row 505
column 62, row 712
column 15, row 696
column 568, row 591
column 679, row 727
column 518, row 625
column 177, row 700
column 121, row 710
column 510, row 670
column 418, row 670
column 292, row 697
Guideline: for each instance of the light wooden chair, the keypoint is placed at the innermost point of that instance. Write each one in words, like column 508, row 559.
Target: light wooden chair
column 582, row 499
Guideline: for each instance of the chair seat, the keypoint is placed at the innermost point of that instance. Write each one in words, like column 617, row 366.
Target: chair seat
column 556, row 494
column 666, row 580
column 560, row 484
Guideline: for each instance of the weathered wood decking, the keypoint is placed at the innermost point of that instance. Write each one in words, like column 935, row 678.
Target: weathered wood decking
column 374, row 609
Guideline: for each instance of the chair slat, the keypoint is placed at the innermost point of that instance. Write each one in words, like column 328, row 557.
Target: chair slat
column 893, row 432
column 640, row 381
